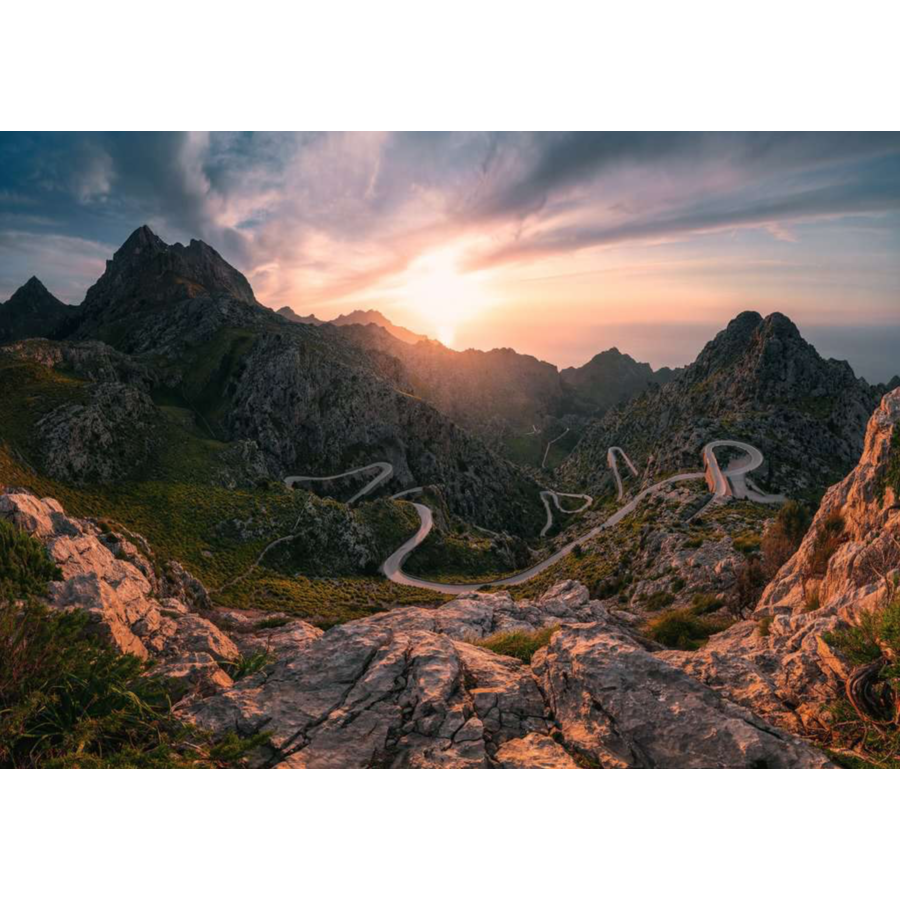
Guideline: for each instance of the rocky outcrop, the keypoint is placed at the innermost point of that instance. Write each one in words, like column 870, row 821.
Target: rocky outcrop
column 110, row 436
column 536, row 751
column 139, row 608
column 778, row 663
column 146, row 275
column 625, row 707
column 407, row 689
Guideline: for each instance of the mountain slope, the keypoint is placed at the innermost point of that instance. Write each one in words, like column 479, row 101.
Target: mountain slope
column 308, row 399
column 32, row 311
column 490, row 392
column 757, row 381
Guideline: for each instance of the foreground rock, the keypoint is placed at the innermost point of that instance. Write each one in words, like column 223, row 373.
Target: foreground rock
column 624, row 707
column 405, row 689
column 138, row 609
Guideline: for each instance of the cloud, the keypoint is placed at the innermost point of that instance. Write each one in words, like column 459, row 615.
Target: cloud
column 313, row 217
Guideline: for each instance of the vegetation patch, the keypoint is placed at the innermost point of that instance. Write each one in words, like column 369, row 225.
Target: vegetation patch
column 25, row 567
column 890, row 478
column 829, row 537
column 682, row 629
column 70, row 701
column 519, row 644
column 867, row 721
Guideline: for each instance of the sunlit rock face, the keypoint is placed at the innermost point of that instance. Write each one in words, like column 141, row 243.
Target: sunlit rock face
column 786, row 671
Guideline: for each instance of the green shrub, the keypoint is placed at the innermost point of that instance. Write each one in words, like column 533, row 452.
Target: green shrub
column 681, row 629
column 247, row 665
column 874, row 735
column 69, row 700
column 25, row 567
column 891, row 476
column 765, row 626
column 520, row 644
column 747, row 542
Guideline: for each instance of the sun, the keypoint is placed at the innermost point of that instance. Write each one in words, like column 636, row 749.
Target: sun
column 442, row 295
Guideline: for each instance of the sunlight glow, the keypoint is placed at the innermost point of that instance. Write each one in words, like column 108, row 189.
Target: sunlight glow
column 438, row 292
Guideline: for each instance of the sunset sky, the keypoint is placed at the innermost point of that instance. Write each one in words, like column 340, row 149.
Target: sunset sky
column 559, row 245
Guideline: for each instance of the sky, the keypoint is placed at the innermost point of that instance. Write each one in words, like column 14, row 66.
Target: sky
column 557, row 244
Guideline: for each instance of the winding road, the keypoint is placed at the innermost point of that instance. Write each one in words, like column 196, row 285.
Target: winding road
column 729, row 483
column 611, row 462
column 558, row 437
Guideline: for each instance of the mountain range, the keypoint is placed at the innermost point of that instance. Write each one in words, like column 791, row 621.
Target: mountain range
column 147, row 437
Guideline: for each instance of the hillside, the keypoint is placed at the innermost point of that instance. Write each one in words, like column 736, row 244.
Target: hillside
column 758, row 381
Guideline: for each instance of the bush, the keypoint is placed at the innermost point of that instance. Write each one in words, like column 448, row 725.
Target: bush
column 247, row 665
column 519, row 644
column 702, row 604
column 868, row 721
column 765, row 626
column 658, row 600
column 828, row 538
column 25, row 567
column 681, row 629
column 891, row 477
column 749, row 585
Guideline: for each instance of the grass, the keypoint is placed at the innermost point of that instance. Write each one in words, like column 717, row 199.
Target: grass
column 518, row 644
column 247, row 665
column 68, row 700
column 682, row 629
column 657, row 600
column 447, row 556
column 704, row 604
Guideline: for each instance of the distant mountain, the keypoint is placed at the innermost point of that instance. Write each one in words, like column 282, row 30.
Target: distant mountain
column 611, row 377
column 373, row 317
column 759, row 381
column 487, row 391
column 358, row 317
column 291, row 316
column 32, row 311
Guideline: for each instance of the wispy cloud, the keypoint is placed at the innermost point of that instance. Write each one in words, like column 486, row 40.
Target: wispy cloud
column 316, row 217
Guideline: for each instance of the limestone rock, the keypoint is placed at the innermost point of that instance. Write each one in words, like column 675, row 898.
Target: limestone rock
column 624, row 707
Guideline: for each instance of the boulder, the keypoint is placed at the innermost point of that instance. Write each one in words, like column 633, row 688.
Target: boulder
column 624, row 707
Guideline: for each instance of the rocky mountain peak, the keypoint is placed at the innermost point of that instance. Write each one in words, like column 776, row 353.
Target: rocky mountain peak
column 146, row 275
